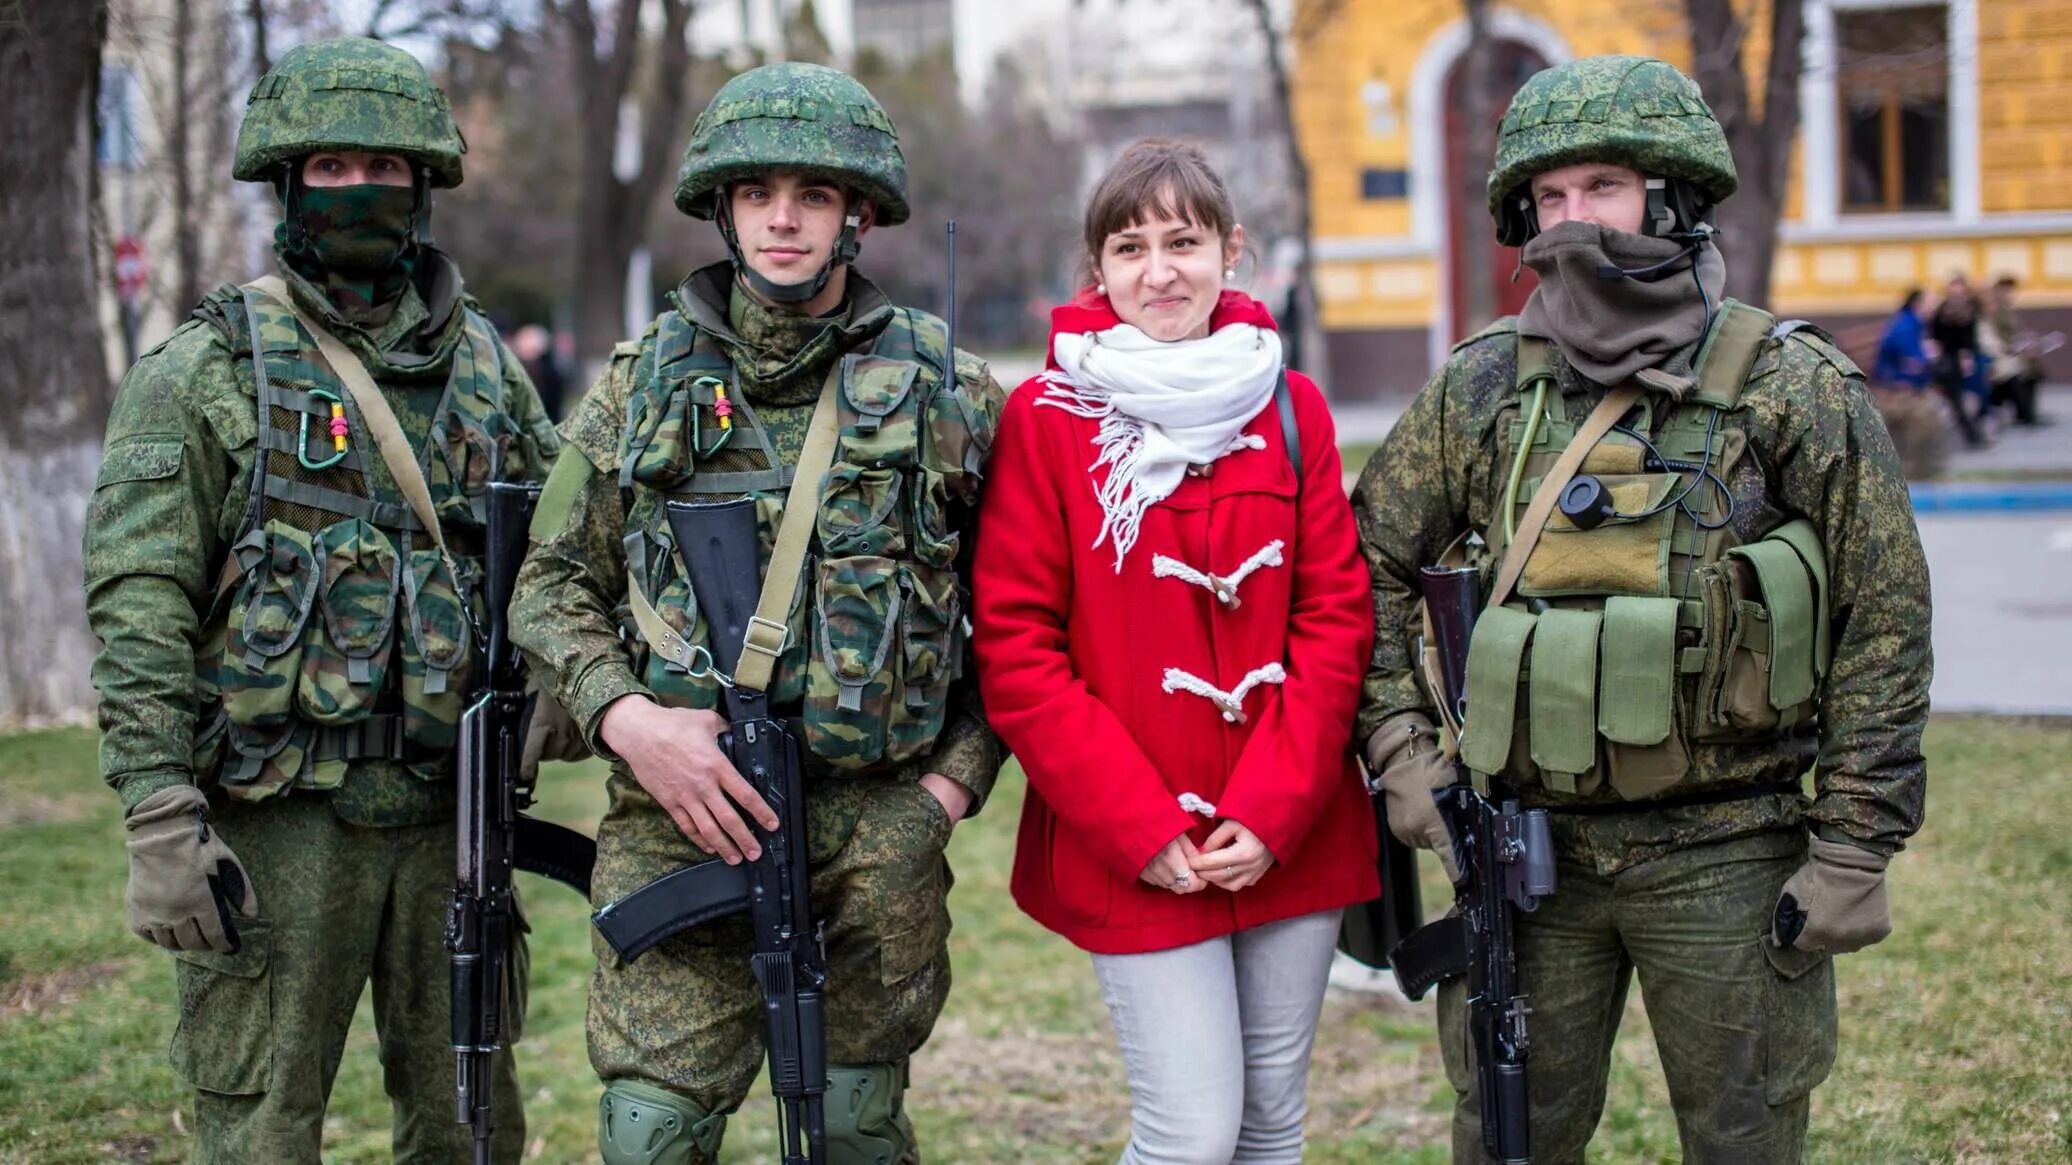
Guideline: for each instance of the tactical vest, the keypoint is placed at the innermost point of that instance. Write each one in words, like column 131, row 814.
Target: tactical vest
column 1629, row 643
column 877, row 629
column 339, row 633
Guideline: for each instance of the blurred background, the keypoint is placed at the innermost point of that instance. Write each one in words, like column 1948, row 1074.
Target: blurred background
column 1884, row 146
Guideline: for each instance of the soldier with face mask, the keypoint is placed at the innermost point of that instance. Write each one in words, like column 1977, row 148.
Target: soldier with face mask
column 283, row 560
column 717, row 399
column 1702, row 580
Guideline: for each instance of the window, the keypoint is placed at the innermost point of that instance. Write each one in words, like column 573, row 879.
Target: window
column 1893, row 80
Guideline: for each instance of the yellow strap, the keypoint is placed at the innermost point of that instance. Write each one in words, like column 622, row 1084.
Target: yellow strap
column 768, row 627
column 374, row 411
column 661, row 638
column 1600, row 422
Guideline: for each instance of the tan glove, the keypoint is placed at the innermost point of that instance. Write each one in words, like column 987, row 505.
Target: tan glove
column 185, row 886
column 1835, row 903
column 1404, row 756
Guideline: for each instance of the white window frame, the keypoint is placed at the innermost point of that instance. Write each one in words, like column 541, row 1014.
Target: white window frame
column 1821, row 132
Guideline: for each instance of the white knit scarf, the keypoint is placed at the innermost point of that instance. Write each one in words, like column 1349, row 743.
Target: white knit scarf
column 1163, row 406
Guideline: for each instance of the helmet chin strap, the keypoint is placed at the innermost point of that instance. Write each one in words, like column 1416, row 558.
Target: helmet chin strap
column 845, row 250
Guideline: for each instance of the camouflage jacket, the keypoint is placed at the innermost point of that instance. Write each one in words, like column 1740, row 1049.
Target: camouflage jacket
column 172, row 496
column 571, row 612
column 1818, row 450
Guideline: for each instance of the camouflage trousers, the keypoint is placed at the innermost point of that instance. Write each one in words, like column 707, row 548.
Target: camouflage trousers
column 1744, row 1030
column 261, row 1031
column 688, row 1015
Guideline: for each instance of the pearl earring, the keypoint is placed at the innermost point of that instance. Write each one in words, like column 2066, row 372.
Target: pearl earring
column 1230, row 273
column 1100, row 289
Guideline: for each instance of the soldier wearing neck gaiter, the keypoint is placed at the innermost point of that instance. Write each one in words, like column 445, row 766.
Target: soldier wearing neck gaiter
column 1712, row 668
column 284, row 652
column 794, row 163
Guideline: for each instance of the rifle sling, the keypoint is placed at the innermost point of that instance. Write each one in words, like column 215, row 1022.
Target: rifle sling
column 764, row 641
column 1600, row 422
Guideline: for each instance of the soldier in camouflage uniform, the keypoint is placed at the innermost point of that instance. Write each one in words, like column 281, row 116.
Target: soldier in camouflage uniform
column 285, row 645
column 1747, row 601
column 715, row 400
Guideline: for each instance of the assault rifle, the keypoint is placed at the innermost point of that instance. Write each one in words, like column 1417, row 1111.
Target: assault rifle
column 720, row 551
column 1505, row 862
column 495, row 836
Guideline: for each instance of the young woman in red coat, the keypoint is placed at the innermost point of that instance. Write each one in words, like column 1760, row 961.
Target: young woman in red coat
column 1172, row 624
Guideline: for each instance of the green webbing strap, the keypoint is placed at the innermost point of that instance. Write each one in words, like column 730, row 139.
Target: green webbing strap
column 1638, row 669
column 376, row 736
column 1561, row 703
column 1535, row 361
column 1788, row 596
column 740, row 481
column 384, row 514
column 1496, row 656
column 1800, row 535
column 1729, row 352
column 661, row 638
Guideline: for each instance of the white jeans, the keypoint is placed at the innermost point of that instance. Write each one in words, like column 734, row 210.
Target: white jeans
column 1216, row 1037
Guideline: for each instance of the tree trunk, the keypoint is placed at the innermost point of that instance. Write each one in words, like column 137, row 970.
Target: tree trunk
column 255, row 12
column 612, row 213
column 1761, row 144
column 1310, row 350
column 54, row 387
column 1478, row 124
column 186, row 231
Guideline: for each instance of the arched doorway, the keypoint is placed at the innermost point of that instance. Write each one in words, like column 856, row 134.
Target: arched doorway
column 1469, row 230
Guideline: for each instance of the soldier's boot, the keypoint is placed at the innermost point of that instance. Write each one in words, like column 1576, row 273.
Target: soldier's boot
column 639, row 1123
column 866, row 1116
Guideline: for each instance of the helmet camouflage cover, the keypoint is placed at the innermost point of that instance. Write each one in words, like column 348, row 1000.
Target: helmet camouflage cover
column 350, row 93
column 794, row 116
column 1638, row 112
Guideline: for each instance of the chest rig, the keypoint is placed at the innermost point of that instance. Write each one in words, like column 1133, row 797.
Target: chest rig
column 876, row 631
column 340, row 632
column 1641, row 626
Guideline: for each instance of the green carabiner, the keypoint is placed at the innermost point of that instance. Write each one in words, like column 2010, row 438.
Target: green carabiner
column 338, row 431
column 721, row 406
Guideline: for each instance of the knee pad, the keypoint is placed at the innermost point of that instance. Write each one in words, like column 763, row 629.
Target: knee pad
column 639, row 1123
column 866, row 1116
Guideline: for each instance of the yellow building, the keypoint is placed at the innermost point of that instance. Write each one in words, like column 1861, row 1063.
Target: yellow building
column 1935, row 137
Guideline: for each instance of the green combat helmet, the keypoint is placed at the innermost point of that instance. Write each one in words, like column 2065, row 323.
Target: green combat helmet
column 350, row 93
column 1638, row 112
column 794, row 116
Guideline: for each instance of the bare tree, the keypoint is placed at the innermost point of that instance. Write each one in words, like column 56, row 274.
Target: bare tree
column 1761, row 138
column 1310, row 350
column 1478, row 152
column 612, row 212
column 180, row 147
column 54, row 387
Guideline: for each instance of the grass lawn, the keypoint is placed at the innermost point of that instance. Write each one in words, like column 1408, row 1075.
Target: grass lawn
column 1956, row 1032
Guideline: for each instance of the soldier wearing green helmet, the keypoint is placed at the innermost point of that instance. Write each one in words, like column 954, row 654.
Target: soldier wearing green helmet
column 285, row 639
column 717, row 398
column 1702, row 581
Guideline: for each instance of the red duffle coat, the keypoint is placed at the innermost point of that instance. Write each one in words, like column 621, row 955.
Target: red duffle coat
column 1073, row 658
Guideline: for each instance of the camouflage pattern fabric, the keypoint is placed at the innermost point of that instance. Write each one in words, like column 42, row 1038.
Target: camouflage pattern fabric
column 171, row 501
column 794, row 116
column 355, row 242
column 679, row 1017
column 1816, row 449
column 349, row 93
column 1745, row 1030
column 261, row 1031
column 688, row 1015
column 1637, row 112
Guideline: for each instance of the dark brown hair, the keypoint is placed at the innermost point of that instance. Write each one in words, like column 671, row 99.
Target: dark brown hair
column 1157, row 178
